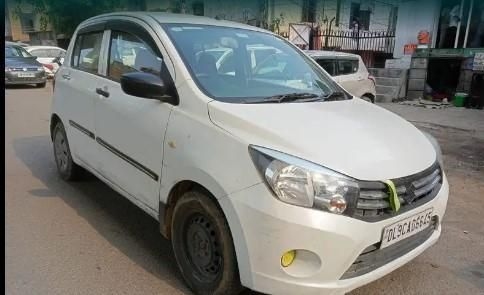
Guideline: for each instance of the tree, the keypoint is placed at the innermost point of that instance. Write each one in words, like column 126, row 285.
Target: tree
column 66, row 15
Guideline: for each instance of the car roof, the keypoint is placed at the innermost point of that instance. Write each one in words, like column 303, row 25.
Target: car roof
column 165, row 18
column 43, row 47
column 330, row 54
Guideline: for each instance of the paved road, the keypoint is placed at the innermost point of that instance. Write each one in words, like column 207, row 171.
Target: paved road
column 83, row 238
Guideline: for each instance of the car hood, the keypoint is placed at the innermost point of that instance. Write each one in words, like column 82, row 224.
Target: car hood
column 353, row 137
column 21, row 62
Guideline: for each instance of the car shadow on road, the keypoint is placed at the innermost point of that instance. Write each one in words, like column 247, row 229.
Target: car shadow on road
column 120, row 222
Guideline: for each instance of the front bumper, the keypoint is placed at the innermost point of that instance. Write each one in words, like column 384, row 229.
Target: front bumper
column 12, row 78
column 263, row 228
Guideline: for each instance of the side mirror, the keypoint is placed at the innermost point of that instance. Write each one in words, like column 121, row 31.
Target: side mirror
column 146, row 85
column 57, row 60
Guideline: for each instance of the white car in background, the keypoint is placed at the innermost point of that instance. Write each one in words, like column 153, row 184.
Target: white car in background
column 46, row 55
column 348, row 70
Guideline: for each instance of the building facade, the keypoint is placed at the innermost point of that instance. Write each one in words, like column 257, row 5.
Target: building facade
column 23, row 24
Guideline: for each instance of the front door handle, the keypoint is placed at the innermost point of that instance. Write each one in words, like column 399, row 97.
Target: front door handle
column 102, row 92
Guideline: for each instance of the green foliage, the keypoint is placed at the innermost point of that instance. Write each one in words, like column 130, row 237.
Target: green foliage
column 66, row 15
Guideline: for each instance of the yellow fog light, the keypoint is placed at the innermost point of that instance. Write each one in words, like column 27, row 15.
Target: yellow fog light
column 288, row 258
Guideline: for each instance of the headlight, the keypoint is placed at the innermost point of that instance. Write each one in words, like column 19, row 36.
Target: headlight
column 436, row 146
column 302, row 183
column 7, row 69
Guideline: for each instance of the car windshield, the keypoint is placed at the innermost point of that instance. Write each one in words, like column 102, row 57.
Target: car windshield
column 16, row 51
column 238, row 65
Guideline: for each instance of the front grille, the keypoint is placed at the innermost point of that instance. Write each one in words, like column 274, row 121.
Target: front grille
column 372, row 257
column 373, row 203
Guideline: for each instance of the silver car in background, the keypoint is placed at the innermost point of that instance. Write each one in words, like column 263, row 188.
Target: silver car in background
column 22, row 68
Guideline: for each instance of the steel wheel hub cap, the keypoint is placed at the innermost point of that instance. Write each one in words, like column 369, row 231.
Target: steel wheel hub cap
column 202, row 248
column 61, row 151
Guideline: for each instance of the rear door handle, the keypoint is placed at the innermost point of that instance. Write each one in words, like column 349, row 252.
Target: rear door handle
column 102, row 92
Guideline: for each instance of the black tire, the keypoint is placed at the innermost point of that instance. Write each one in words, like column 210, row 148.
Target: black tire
column 66, row 167
column 40, row 85
column 203, row 246
column 368, row 98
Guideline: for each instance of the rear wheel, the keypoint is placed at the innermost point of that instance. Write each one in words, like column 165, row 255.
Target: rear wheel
column 40, row 85
column 368, row 98
column 66, row 167
column 203, row 246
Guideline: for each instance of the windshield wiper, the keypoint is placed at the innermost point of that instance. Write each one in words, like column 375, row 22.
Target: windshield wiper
column 280, row 98
column 336, row 95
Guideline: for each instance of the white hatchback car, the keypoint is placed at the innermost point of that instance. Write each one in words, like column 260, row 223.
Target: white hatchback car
column 46, row 56
column 266, row 176
column 348, row 70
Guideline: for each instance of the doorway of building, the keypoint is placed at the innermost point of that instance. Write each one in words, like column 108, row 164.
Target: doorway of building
column 443, row 75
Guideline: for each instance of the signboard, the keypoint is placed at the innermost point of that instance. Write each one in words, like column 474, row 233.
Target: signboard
column 409, row 48
column 478, row 64
column 299, row 35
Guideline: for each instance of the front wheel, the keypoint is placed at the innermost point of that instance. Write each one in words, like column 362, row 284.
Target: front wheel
column 40, row 85
column 203, row 246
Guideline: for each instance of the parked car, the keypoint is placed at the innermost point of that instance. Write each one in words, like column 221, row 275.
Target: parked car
column 21, row 44
column 46, row 55
column 22, row 68
column 270, row 177
column 348, row 70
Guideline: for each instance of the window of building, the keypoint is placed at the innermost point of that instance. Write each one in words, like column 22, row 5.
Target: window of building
column 359, row 19
column 198, row 8
column 130, row 54
column 309, row 11
column 27, row 22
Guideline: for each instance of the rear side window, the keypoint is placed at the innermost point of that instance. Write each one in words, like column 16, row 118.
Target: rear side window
column 128, row 53
column 40, row 53
column 55, row 53
column 347, row 66
column 328, row 65
column 87, row 51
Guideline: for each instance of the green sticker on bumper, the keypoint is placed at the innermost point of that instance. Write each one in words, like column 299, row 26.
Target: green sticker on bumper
column 394, row 200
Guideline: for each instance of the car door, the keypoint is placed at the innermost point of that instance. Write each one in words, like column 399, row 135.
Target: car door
column 130, row 130
column 76, row 86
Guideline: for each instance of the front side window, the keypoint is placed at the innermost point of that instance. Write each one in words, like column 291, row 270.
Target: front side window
column 87, row 51
column 129, row 53
column 328, row 65
column 238, row 65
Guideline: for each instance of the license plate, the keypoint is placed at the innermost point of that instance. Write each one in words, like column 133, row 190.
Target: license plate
column 26, row 75
column 406, row 228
